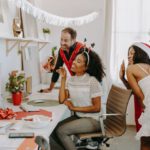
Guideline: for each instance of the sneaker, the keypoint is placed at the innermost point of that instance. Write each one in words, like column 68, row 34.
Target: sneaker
column 90, row 145
column 81, row 144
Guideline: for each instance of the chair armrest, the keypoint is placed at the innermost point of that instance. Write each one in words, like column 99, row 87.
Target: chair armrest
column 102, row 118
column 102, row 115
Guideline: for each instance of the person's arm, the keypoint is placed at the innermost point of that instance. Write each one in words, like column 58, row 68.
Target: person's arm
column 63, row 93
column 122, row 76
column 134, row 85
column 95, row 107
column 55, row 75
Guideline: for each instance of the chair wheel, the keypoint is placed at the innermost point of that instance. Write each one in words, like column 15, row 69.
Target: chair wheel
column 107, row 145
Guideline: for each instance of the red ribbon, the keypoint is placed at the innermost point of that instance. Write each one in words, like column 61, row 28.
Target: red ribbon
column 7, row 113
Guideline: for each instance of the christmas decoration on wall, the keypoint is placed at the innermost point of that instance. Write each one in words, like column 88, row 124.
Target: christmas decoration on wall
column 51, row 18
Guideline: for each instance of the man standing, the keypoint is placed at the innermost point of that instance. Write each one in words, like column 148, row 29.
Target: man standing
column 67, row 53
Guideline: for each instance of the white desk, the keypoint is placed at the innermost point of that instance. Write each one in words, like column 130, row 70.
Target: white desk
column 59, row 113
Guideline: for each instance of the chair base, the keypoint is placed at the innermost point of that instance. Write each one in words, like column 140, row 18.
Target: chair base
column 93, row 144
column 88, row 144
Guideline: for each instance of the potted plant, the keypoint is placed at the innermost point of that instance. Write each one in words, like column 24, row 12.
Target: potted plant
column 15, row 86
column 46, row 32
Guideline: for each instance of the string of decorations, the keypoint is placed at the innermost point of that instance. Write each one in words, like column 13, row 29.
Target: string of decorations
column 51, row 18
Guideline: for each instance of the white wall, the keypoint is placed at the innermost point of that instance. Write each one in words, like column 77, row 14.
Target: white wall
column 8, row 12
column 8, row 63
column 12, row 61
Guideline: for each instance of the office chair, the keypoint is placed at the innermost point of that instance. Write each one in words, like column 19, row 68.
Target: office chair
column 113, row 123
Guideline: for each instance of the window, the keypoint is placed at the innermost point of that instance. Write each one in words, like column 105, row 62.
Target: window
column 131, row 23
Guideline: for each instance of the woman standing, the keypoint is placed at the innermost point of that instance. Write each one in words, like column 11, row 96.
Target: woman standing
column 137, row 106
column 138, row 75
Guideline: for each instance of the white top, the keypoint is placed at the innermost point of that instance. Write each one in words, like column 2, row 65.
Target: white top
column 144, row 119
column 82, row 89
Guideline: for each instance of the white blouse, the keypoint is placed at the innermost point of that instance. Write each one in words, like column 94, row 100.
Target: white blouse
column 82, row 89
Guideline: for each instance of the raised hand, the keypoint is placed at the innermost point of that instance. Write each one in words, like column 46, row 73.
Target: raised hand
column 122, row 71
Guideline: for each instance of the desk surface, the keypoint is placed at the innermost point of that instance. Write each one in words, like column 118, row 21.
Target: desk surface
column 59, row 113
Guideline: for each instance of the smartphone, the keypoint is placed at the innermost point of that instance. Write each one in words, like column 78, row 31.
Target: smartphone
column 21, row 135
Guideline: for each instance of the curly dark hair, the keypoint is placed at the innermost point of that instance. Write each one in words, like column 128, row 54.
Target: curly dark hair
column 140, row 56
column 94, row 64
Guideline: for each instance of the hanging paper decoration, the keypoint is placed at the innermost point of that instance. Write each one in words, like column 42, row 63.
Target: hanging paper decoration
column 51, row 18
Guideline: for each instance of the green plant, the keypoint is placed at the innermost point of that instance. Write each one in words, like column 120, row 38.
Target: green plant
column 16, row 82
column 53, row 50
column 46, row 30
column 53, row 57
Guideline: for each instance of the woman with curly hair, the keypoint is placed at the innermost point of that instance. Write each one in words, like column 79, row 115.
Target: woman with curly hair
column 82, row 95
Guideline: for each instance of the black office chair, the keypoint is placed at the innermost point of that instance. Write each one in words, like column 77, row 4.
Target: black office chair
column 115, row 123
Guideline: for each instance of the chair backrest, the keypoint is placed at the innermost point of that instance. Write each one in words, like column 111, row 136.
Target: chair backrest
column 117, row 102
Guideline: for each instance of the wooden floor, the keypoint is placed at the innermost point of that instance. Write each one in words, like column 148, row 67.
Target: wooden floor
column 125, row 142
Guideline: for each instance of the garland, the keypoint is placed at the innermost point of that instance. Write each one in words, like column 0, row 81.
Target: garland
column 51, row 18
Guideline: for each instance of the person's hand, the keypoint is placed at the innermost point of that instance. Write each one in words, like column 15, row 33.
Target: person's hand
column 47, row 90
column 122, row 71
column 69, row 104
column 62, row 72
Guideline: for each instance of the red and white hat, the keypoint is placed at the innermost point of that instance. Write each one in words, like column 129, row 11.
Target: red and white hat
column 144, row 46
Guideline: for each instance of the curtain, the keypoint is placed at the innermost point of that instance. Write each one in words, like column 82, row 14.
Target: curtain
column 106, row 43
column 131, row 23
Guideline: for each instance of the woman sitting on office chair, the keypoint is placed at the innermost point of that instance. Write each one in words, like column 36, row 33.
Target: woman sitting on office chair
column 85, row 91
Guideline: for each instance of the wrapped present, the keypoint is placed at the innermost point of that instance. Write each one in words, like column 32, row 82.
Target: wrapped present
column 7, row 113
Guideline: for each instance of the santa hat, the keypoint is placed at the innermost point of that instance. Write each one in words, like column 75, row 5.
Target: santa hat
column 144, row 46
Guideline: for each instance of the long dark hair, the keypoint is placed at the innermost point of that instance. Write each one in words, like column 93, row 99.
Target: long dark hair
column 140, row 56
column 94, row 64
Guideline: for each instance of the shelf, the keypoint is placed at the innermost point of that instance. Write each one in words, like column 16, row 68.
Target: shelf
column 12, row 42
